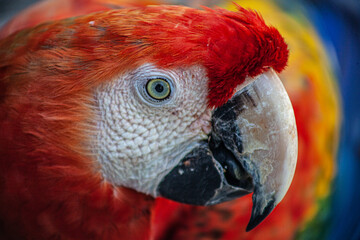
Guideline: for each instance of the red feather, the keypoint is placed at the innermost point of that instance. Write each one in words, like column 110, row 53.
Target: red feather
column 50, row 184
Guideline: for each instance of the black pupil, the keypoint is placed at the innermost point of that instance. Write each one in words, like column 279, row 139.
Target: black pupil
column 159, row 88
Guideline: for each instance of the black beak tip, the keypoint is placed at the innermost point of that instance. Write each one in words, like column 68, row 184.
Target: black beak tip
column 257, row 218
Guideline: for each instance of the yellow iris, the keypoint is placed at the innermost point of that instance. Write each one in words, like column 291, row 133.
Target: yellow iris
column 158, row 88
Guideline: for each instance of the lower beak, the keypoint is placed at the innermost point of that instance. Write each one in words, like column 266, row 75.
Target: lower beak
column 252, row 147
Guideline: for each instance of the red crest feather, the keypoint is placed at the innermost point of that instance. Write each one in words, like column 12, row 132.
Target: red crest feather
column 231, row 45
column 47, row 75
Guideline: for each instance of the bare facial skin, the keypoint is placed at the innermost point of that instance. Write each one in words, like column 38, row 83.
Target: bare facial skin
column 140, row 140
column 249, row 144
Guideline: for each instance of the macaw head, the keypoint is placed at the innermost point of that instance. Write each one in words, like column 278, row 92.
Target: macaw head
column 169, row 101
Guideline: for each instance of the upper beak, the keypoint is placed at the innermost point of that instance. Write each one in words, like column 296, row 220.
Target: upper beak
column 252, row 147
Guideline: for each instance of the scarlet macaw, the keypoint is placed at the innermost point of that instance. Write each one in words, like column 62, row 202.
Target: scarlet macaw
column 103, row 112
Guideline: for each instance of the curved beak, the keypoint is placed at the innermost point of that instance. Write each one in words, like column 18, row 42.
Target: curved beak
column 252, row 147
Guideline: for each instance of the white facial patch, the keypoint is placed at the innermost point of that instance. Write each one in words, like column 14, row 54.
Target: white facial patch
column 139, row 140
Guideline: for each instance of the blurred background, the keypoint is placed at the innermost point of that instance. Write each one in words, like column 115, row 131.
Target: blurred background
column 323, row 81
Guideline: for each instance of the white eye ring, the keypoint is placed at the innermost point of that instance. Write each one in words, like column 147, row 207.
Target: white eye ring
column 148, row 74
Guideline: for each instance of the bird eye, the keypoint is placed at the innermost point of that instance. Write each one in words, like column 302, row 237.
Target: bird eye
column 158, row 88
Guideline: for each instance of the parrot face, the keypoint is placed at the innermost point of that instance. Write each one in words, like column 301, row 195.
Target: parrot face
column 185, row 104
column 165, row 140
column 140, row 138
